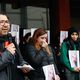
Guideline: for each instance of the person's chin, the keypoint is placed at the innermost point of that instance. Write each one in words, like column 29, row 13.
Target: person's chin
column 5, row 33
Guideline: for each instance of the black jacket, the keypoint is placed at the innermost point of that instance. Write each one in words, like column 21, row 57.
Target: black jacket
column 9, row 62
column 38, row 59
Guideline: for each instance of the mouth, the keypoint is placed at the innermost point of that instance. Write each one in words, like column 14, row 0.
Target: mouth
column 5, row 29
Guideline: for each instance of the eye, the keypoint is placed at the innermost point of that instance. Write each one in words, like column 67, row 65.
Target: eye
column 43, row 38
column 4, row 21
column 1, row 21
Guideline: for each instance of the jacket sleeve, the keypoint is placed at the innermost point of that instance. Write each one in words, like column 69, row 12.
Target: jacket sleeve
column 5, row 58
column 21, row 60
column 32, row 55
column 64, row 57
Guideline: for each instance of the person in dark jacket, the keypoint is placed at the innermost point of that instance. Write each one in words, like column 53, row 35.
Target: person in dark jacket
column 10, row 56
column 25, row 40
column 39, row 54
column 72, row 43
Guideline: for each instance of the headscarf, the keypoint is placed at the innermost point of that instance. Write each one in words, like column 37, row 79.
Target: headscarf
column 71, row 30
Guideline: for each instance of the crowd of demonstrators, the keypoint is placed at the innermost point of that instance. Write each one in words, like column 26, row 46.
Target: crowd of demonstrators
column 72, row 42
column 10, row 55
column 38, row 54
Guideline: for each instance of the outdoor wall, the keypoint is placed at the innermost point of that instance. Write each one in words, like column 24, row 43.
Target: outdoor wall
column 37, row 17
column 27, row 17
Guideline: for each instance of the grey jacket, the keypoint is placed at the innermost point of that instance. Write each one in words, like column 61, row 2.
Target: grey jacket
column 38, row 59
column 9, row 62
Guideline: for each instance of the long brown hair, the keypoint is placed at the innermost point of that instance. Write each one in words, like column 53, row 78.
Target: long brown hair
column 38, row 32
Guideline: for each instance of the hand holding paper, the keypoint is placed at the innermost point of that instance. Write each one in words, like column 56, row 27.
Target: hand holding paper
column 57, row 77
column 76, row 69
column 25, row 68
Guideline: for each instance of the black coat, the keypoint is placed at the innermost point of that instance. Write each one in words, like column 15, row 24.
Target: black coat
column 9, row 62
column 38, row 59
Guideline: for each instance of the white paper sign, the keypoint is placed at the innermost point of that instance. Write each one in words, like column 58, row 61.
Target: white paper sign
column 49, row 72
column 27, row 66
column 74, row 58
column 63, row 35
column 15, row 32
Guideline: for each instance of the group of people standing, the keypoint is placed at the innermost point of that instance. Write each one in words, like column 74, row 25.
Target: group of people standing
column 37, row 53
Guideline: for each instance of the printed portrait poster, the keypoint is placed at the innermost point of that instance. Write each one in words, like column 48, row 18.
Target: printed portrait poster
column 15, row 32
column 63, row 35
column 48, row 39
column 49, row 72
column 74, row 58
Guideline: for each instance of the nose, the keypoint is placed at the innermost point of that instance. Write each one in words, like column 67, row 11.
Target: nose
column 6, row 25
column 3, row 23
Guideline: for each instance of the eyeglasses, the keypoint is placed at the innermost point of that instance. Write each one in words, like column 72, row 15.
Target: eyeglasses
column 4, row 21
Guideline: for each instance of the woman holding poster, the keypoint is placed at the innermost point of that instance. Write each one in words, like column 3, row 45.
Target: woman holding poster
column 70, row 50
column 41, row 57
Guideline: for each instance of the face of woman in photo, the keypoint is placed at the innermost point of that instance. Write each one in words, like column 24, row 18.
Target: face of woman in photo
column 42, row 38
column 74, row 36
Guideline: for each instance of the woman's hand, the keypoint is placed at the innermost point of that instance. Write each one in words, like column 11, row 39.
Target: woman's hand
column 46, row 47
column 57, row 77
column 44, row 44
column 76, row 69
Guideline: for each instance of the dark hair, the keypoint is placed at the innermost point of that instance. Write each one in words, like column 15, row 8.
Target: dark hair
column 71, row 30
column 26, row 36
column 38, row 32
